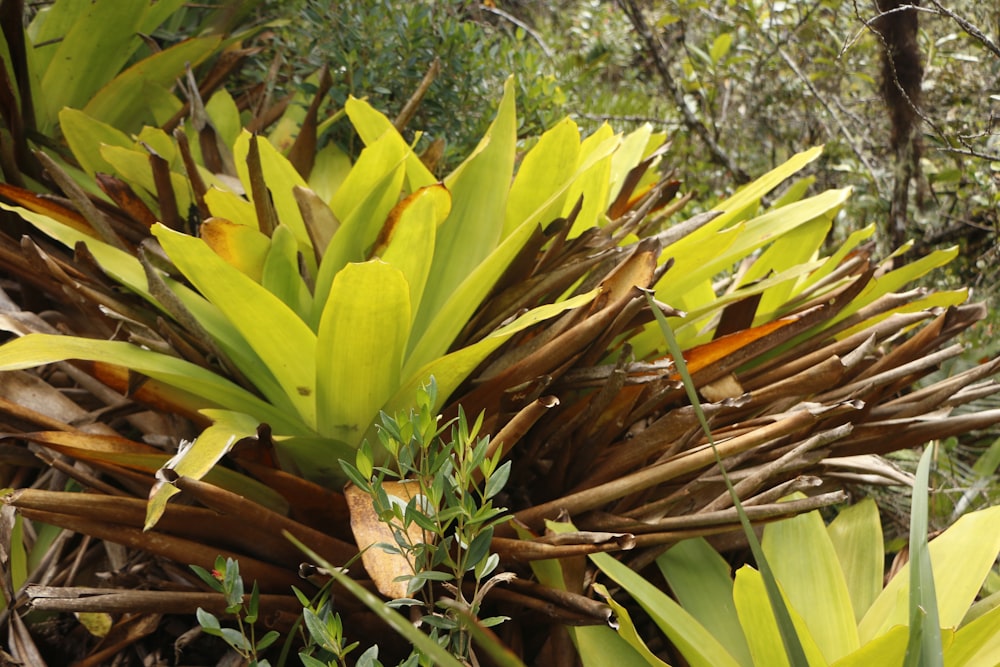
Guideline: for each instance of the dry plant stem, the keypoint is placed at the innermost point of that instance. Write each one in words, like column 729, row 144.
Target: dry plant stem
column 239, row 508
column 270, row 577
column 97, row 220
column 124, row 601
column 410, row 108
column 766, row 472
column 515, row 428
column 597, row 611
column 644, row 479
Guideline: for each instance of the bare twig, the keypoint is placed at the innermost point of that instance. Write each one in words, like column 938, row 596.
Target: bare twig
column 655, row 49
column 520, row 24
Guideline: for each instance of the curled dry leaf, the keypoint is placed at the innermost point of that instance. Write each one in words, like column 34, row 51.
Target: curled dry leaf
column 387, row 570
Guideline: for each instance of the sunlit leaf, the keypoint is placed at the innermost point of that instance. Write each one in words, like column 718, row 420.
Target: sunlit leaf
column 362, row 335
column 267, row 324
column 961, row 557
column 856, row 534
column 803, row 559
column 702, row 582
column 478, row 189
column 201, row 456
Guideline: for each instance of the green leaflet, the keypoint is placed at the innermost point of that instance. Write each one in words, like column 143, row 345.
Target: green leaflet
column 798, row 247
column 803, row 558
column 362, row 335
column 330, row 169
column 114, row 105
column 695, row 643
column 856, row 535
column 391, row 617
column 760, row 627
column 268, row 325
column 961, row 558
column 478, row 189
column 702, row 582
column 893, row 281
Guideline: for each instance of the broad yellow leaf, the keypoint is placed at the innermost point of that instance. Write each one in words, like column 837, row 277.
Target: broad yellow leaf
column 856, row 535
column 269, row 326
column 362, row 335
column 961, row 557
column 801, row 554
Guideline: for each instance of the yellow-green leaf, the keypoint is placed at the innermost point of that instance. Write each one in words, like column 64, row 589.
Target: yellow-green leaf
column 268, row 325
column 593, row 185
column 281, row 273
column 702, row 582
column 133, row 166
column 695, row 643
column 116, row 103
column 245, row 248
column 543, row 171
column 886, row 649
column 760, row 626
column 856, row 534
column 478, row 199
column 99, row 39
column 961, row 557
column 627, row 631
column 362, row 335
column 85, row 136
column 373, row 126
column 450, row 370
column 214, row 390
column 195, row 461
column 976, row 644
column 804, row 561
column 410, row 246
column 361, row 204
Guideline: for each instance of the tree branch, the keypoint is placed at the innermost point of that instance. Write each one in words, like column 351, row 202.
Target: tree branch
column 655, row 49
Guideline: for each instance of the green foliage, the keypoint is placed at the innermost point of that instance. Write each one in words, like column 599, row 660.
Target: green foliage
column 381, row 50
column 424, row 646
column 369, row 324
column 823, row 573
column 225, row 579
column 456, row 476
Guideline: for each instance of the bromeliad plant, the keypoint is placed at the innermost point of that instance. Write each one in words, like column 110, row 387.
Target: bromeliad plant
column 832, row 578
column 335, row 312
column 315, row 293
